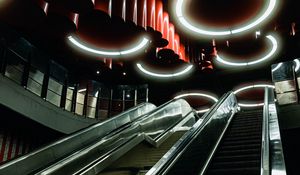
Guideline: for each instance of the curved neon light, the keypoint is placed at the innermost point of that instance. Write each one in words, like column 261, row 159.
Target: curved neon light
column 264, row 58
column 199, row 95
column 101, row 52
column 176, row 74
column 202, row 31
column 251, row 87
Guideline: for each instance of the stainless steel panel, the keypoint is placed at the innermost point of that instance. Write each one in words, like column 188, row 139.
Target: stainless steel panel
column 54, row 92
column 79, row 103
column 69, row 98
column 95, row 157
column 208, row 131
column 285, row 86
column 35, row 82
column 42, row 157
column 14, row 72
column 53, row 98
column 287, row 98
column 276, row 150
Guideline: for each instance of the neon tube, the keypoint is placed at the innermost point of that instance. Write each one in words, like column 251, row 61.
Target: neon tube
column 175, row 74
column 200, row 95
column 251, row 87
column 202, row 31
column 264, row 58
column 101, row 52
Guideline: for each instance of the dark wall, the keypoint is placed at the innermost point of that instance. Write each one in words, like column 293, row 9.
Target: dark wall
column 20, row 135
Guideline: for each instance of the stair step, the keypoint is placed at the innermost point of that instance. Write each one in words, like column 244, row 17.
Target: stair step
column 232, row 158
column 235, row 164
column 234, row 171
column 239, row 152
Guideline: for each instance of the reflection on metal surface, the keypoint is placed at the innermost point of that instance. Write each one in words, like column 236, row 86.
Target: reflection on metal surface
column 142, row 44
column 153, row 127
column 276, row 150
column 265, row 149
column 277, row 67
column 203, row 31
column 219, row 117
column 68, row 145
column 263, row 58
column 198, row 95
column 166, row 75
column 297, row 65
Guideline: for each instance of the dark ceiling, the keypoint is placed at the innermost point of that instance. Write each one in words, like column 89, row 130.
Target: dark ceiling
column 49, row 32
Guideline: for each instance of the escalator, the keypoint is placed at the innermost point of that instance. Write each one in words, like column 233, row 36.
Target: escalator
column 32, row 162
column 238, row 152
column 240, row 149
column 93, row 149
column 228, row 142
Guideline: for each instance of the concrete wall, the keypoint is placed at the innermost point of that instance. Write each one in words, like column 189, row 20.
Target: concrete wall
column 32, row 106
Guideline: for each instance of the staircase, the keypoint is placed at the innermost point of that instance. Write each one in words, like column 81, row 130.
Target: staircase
column 239, row 150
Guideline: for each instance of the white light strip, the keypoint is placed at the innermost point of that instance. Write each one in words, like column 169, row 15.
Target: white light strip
column 250, row 105
column 184, row 71
column 271, row 6
column 82, row 90
column 199, row 95
column 199, row 30
column 269, row 55
column 138, row 47
column 250, row 87
column 277, row 67
column 297, row 62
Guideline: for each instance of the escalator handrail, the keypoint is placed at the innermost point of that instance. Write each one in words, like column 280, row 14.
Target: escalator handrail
column 162, row 135
column 76, row 138
column 275, row 150
column 63, row 162
column 265, row 159
column 178, row 149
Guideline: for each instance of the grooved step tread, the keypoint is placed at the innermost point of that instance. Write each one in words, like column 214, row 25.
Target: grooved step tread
column 239, row 150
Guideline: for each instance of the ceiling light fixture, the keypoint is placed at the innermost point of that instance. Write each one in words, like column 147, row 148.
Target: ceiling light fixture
column 264, row 58
column 251, row 87
column 161, row 75
column 201, row 29
column 75, row 41
column 198, row 95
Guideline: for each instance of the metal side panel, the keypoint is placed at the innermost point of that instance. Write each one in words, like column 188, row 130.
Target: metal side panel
column 98, row 165
column 156, row 122
column 64, row 147
column 214, row 121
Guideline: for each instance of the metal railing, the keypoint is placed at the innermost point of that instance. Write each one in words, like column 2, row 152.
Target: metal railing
column 223, row 109
column 63, row 147
column 272, row 159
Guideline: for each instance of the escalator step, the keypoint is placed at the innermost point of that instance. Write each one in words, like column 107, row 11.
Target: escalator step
column 236, row 164
column 242, row 138
column 242, row 157
column 239, row 152
column 240, row 147
column 235, row 171
column 241, row 142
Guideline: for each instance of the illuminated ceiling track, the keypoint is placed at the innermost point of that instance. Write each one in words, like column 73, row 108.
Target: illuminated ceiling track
column 264, row 58
column 198, row 95
column 201, row 29
column 164, row 75
column 252, row 87
column 112, row 53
